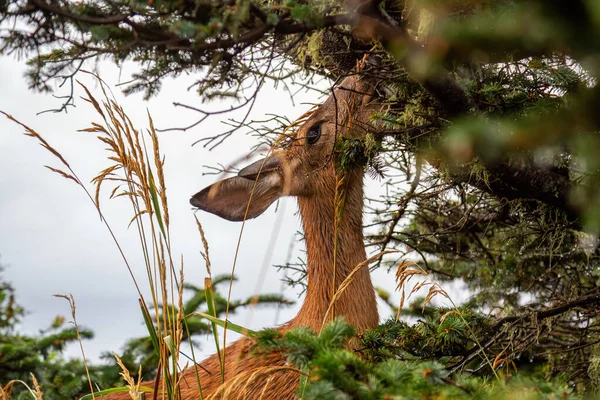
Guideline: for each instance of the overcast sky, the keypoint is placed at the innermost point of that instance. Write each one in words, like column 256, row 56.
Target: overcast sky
column 52, row 240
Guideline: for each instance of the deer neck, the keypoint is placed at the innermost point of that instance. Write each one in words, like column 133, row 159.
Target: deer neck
column 328, row 258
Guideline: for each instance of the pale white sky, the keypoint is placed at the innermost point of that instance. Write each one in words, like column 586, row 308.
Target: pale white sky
column 52, row 240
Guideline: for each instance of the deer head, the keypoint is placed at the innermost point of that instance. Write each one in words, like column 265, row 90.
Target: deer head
column 305, row 167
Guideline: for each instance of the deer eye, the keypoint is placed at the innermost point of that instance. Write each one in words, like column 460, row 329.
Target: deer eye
column 313, row 135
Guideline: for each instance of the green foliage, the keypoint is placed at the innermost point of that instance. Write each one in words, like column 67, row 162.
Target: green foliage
column 443, row 334
column 41, row 355
column 10, row 311
column 141, row 351
column 353, row 153
column 21, row 355
column 336, row 371
column 165, row 36
column 62, row 378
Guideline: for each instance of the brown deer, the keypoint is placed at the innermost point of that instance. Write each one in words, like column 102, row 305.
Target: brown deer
column 305, row 169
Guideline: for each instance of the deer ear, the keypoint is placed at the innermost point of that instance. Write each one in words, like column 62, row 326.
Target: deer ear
column 229, row 198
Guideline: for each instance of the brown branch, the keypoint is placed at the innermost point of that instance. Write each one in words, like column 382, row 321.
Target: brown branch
column 402, row 206
column 367, row 22
column 538, row 315
column 283, row 27
column 512, row 179
column 553, row 311
column 63, row 12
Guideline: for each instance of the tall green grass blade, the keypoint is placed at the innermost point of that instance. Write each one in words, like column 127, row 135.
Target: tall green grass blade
column 230, row 325
column 195, row 366
column 154, row 339
column 304, row 380
column 98, row 395
column 150, row 327
column 170, row 344
column 156, row 204
column 210, row 302
column 168, row 341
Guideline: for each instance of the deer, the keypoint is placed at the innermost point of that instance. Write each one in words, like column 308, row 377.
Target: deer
column 306, row 170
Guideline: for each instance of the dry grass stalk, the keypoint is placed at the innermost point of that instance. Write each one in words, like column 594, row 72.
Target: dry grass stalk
column 38, row 391
column 346, row 282
column 71, row 175
column 134, row 388
column 159, row 163
column 404, row 275
column 446, row 315
column 501, row 360
column 178, row 323
column 33, row 134
column 339, row 199
column 5, row 390
column 138, row 175
column 204, row 254
column 71, row 301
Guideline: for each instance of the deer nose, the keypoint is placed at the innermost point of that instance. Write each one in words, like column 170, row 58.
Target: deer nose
column 260, row 167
